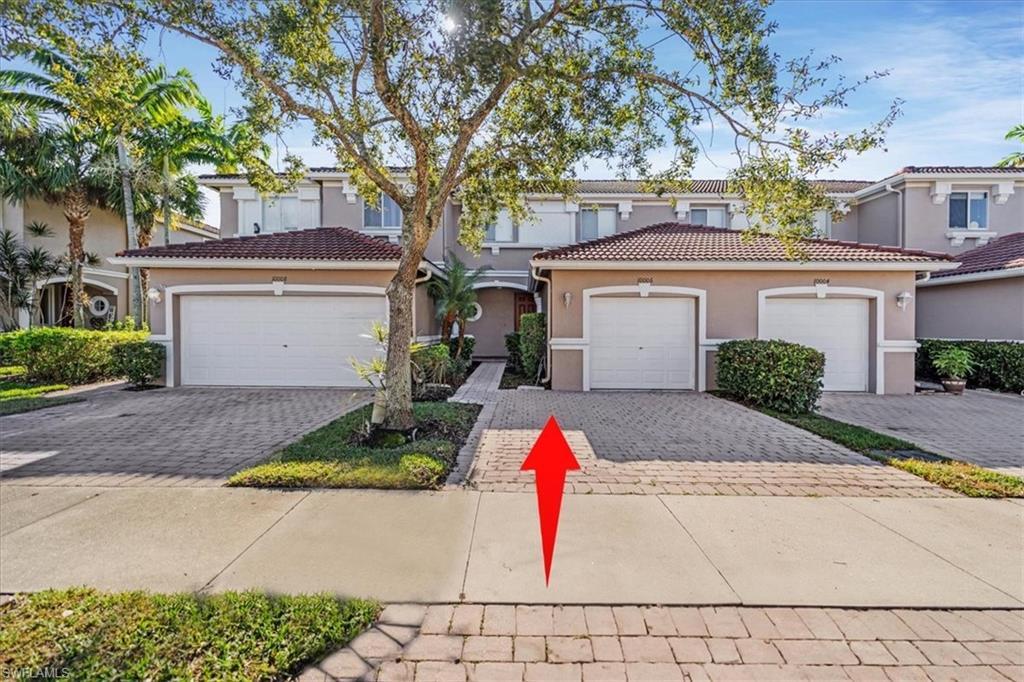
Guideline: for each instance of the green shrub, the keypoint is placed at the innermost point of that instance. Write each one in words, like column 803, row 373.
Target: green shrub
column 434, row 363
column 423, row 469
column 468, row 344
column 514, row 364
column 141, row 362
column 998, row 365
column 953, row 363
column 781, row 376
column 434, row 392
column 533, row 343
column 67, row 356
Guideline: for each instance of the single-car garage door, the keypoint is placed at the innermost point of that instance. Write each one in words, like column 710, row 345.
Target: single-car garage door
column 838, row 327
column 641, row 343
column 276, row 340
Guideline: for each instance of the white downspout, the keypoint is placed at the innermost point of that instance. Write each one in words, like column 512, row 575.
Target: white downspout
column 899, row 213
column 547, row 316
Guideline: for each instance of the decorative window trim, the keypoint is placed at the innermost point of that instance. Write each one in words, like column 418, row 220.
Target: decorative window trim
column 957, row 235
column 971, row 197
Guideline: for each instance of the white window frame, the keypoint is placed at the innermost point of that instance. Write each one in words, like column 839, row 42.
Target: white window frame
column 599, row 211
column 491, row 235
column 274, row 203
column 970, row 195
column 707, row 209
column 380, row 209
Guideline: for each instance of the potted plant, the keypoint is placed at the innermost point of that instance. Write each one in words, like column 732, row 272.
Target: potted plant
column 953, row 364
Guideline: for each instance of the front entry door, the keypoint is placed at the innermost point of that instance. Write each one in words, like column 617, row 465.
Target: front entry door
column 524, row 303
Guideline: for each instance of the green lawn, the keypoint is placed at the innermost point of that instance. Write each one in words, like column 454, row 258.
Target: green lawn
column 18, row 395
column 967, row 479
column 85, row 634
column 333, row 456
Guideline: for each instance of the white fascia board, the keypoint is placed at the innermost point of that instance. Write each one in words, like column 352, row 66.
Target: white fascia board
column 973, row 277
column 963, row 178
column 254, row 263
column 740, row 265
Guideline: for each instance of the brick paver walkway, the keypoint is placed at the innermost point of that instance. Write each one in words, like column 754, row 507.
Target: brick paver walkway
column 977, row 427
column 482, row 385
column 687, row 443
column 581, row 643
column 171, row 436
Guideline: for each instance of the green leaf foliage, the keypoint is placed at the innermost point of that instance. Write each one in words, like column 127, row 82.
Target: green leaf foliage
column 777, row 375
column 64, row 355
column 514, row 364
column 533, row 344
column 997, row 365
column 141, row 362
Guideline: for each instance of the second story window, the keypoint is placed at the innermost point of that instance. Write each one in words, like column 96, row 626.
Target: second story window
column 596, row 222
column 382, row 215
column 501, row 229
column 968, row 210
column 280, row 214
column 712, row 217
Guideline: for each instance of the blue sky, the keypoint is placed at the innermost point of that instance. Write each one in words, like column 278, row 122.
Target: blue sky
column 959, row 66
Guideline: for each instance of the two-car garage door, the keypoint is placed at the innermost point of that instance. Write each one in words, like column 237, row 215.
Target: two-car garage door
column 276, row 340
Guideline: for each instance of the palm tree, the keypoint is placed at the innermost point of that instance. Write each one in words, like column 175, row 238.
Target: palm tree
column 455, row 297
column 1016, row 159
column 22, row 270
column 143, row 98
column 57, row 164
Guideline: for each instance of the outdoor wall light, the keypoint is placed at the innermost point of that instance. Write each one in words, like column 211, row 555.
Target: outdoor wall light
column 154, row 295
column 567, row 298
column 903, row 299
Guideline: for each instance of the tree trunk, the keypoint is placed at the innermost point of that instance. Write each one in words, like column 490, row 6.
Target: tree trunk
column 446, row 328
column 167, row 201
column 462, row 337
column 134, row 281
column 76, row 212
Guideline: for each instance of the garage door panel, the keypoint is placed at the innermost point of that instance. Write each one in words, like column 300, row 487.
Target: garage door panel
column 835, row 326
column 640, row 343
column 276, row 340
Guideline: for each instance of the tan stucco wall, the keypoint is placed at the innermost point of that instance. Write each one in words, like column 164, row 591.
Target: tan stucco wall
column 105, row 235
column 497, row 320
column 847, row 229
column 731, row 309
column 990, row 309
column 426, row 319
column 928, row 222
column 877, row 220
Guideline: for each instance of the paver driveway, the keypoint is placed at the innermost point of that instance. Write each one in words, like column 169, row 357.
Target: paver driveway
column 691, row 443
column 171, row 436
column 984, row 428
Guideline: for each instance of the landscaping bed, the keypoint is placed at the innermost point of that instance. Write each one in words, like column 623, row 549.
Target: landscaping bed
column 965, row 478
column 511, row 380
column 17, row 394
column 86, row 634
column 337, row 456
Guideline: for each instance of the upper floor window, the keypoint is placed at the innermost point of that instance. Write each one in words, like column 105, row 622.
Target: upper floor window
column 596, row 222
column 968, row 210
column 382, row 215
column 280, row 213
column 501, row 230
column 712, row 217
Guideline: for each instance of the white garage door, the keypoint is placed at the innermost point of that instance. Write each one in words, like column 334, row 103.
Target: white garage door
column 641, row 343
column 276, row 340
column 838, row 327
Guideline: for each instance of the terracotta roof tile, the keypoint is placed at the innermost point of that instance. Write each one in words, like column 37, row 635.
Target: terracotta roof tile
column 680, row 242
column 985, row 170
column 322, row 243
column 1005, row 253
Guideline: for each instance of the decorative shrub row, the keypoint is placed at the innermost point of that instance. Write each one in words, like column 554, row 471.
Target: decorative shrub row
column 998, row 365
column 515, row 357
column 140, row 362
column 71, row 356
column 778, row 375
column 532, row 344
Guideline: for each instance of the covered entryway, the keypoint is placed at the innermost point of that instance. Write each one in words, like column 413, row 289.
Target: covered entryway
column 266, row 340
column 838, row 327
column 642, row 342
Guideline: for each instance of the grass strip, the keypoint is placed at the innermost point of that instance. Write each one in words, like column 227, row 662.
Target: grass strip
column 82, row 633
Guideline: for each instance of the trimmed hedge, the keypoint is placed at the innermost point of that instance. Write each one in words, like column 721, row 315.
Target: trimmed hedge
column 64, row 355
column 468, row 344
column 141, row 362
column 998, row 365
column 533, row 343
column 515, row 357
column 778, row 375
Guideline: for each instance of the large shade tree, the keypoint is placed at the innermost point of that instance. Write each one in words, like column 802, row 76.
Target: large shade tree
column 491, row 98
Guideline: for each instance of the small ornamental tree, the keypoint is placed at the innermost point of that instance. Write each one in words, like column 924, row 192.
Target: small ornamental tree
column 497, row 98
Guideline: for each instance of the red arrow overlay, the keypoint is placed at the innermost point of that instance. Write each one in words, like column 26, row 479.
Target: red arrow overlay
column 550, row 458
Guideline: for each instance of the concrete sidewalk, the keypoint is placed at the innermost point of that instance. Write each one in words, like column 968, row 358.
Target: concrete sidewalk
column 485, row 548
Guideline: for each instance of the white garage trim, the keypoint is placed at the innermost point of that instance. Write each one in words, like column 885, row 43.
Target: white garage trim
column 824, row 292
column 167, row 339
column 641, row 290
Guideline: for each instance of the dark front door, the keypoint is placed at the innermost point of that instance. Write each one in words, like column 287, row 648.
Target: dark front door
column 524, row 303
